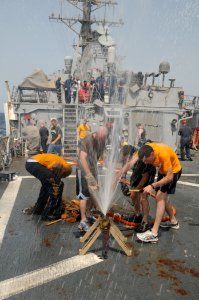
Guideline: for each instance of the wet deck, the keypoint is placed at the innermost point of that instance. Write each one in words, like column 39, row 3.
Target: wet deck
column 46, row 257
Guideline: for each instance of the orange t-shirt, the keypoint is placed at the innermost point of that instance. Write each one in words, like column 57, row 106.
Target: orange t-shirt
column 165, row 158
column 48, row 160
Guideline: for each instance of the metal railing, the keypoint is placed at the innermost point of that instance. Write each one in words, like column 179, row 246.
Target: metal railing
column 6, row 152
column 191, row 102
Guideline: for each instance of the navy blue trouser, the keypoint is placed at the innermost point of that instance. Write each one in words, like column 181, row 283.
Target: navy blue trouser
column 50, row 196
column 184, row 145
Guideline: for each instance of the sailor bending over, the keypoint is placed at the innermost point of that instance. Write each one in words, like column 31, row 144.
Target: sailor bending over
column 49, row 169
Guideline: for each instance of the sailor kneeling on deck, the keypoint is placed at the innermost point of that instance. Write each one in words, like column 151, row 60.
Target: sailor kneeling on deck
column 49, row 169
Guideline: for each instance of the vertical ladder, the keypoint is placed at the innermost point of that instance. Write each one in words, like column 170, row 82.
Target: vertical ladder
column 70, row 130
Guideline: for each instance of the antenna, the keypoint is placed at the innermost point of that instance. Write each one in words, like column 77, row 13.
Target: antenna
column 86, row 33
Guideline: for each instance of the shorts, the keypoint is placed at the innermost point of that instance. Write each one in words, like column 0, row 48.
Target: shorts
column 82, row 191
column 170, row 187
column 139, row 170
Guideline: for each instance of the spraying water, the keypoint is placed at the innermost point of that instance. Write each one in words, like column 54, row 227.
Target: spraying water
column 107, row 189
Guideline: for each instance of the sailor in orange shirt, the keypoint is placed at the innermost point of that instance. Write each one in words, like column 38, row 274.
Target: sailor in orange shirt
column 49, row 169
column 165, row 159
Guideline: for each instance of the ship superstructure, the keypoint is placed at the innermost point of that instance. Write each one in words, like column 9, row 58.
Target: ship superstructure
column 158, row 107
column 132, row 97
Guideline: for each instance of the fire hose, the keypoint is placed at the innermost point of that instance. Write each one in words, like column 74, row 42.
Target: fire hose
column 118, row 218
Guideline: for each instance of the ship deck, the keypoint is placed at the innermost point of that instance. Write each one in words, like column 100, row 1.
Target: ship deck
column 43, row 262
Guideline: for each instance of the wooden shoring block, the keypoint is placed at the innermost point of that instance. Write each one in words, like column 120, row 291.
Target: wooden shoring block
column 122, row 244
column 118, row 232
column 90, row 242
column 95, row 230
column 90, row 231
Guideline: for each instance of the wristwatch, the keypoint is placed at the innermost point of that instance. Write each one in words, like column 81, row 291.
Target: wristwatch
column 153, row 186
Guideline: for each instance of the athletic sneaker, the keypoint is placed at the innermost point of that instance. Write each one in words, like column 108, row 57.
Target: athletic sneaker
column 31, row 211
column 147, row 237
column 84, row 225
column 168, row 224
column 143, row 227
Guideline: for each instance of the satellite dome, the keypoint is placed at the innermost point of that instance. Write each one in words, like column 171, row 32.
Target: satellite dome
column 164, row 67
column 106, row 40
column 101, row 30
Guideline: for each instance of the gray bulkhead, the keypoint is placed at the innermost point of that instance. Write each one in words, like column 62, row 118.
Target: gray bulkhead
column 158, row 110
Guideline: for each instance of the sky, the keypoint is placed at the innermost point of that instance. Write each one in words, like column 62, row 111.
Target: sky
column 153, row 31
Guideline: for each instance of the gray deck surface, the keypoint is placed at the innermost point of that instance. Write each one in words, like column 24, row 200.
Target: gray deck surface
column 166, row 270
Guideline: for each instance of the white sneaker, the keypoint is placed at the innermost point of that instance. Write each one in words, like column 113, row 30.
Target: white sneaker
column 147, row 237
column 84, row 226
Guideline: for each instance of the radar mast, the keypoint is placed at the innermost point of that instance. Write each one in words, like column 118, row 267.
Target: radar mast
column 87, row 7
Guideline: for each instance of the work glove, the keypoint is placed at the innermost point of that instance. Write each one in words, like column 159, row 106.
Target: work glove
column 92, row 183
column 125, row 189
